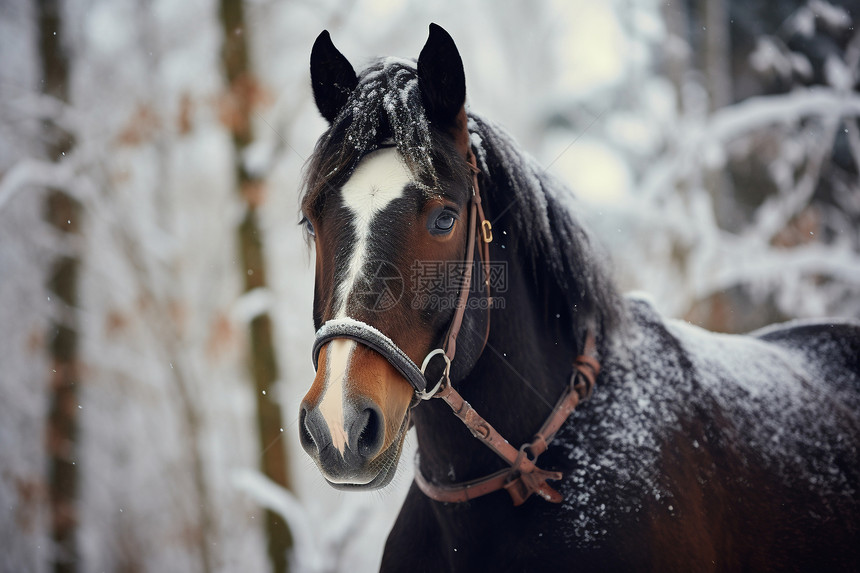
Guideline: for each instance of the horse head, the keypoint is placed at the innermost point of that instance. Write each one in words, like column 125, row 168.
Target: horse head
column 386, row 208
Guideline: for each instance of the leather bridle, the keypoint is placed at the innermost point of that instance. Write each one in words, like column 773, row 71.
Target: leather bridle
column 523, row 477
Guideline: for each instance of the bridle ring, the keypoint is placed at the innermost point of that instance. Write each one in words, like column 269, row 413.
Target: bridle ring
column 426, row 395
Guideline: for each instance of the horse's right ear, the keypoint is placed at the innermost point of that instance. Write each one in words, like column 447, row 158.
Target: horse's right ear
column 332, row 77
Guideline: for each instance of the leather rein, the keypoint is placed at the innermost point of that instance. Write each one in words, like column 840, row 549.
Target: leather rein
column 523, row 477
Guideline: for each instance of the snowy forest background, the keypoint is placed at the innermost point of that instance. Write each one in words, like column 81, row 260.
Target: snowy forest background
column 155, row 290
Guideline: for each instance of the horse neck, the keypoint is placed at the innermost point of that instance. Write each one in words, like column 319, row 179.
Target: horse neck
column 514, row 385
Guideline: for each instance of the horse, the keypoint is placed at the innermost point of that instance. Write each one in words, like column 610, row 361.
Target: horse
column 559, row 424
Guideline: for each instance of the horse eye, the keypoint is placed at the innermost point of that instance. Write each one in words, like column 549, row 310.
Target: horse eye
column 308, row 226
column 444, row 222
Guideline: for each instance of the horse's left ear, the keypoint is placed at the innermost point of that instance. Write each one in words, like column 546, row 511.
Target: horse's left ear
column 443, row 85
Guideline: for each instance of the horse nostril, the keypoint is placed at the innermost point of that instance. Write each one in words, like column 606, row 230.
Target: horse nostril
column 306, row 437
column 371, row 434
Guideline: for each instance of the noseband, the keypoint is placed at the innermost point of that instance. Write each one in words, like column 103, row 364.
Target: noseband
column 523, row 477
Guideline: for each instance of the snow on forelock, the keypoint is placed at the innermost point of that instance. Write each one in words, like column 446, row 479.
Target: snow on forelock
column 773, row 398
column 388, row 89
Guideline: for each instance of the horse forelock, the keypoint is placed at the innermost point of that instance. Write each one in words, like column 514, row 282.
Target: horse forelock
column 384, row 109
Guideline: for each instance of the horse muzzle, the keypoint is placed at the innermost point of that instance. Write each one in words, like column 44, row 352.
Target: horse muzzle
column 353, row 420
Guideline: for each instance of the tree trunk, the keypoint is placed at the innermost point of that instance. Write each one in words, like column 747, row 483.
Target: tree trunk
column 716, row 63
column 717, row 48
column 263, row 363
column 64, row 213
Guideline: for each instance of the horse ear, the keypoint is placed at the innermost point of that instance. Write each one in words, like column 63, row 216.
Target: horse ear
column 441, row 79
column 332, row 77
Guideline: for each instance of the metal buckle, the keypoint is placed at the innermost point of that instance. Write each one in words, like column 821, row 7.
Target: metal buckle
column 487, row 231
column 426, row 395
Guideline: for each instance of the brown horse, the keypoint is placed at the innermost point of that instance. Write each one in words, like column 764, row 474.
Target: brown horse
column 439, row 243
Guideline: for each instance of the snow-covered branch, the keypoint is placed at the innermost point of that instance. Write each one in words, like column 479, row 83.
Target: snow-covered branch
column 34, row 172
column 739, row 261
column 317, row 549
column 778, row 210
column 741, row 118
column 695, row 140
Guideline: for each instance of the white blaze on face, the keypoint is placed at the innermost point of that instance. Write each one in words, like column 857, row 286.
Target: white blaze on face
column 338, row 353
column 379, row 179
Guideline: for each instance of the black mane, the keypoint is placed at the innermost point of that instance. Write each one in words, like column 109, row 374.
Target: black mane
column 546, row 228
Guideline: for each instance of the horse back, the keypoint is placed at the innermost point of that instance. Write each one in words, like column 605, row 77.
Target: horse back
column 831, row 348
column 777, row 485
